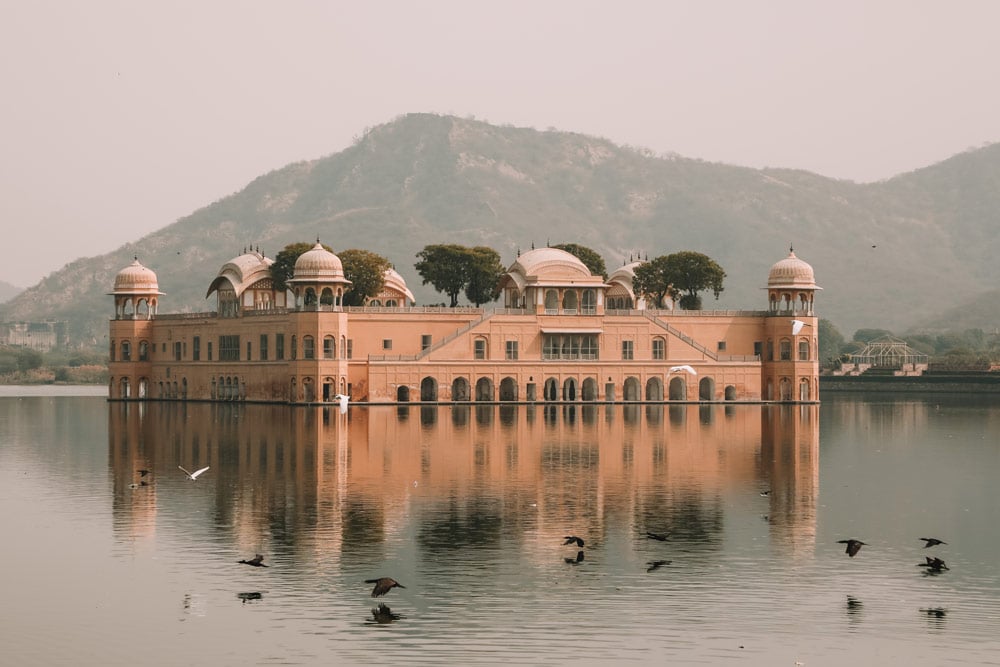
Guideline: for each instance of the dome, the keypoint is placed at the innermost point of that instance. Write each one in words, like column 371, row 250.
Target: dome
column 792, row 272
column 318, row 265
column 136, row 279
column 395, row 283
column 242, row 272
column 550, row 266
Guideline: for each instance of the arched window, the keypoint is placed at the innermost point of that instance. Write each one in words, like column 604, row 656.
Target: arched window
column 308, row 347
column 569, row 389
column 551, row 302
column 126, row 351
column 803, row 350
column 479, row 348
column 143, row 351
column 589, row 302
column 785, row 350
column 310, row 298
column 570, row 302
column 329, row 347
column 804, row 389
column 551, row 390
column 659, row 349
column 326, row 298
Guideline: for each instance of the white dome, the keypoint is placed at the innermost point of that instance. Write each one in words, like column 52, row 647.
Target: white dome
column 136, row 279
column 792, row 272
column 318, row 265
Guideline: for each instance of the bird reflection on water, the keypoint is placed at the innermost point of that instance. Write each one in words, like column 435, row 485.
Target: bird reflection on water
column 382, row 614
column 250, row 596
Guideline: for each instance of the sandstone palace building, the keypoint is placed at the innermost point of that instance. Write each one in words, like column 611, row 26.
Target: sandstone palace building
column 561, row 335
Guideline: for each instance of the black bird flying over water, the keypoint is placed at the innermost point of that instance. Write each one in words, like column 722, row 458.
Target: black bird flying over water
column 383, row 585
column 570, row 539
column 933, row 564
column 661, row 537
column 853, row 546
column 932, row 541
column 577, row 560
column 256, row 561
column 657, row 564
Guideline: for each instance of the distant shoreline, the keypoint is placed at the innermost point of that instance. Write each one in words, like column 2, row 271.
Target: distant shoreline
column 940, row 384
column 26, row 390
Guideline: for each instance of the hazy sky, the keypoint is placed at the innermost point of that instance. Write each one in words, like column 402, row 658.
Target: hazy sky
column 118, row 118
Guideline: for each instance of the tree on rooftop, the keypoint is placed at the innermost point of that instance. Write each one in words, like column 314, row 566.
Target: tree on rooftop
column 681, row 276
column 443, row 266
column 366, row 271
column 483, row 273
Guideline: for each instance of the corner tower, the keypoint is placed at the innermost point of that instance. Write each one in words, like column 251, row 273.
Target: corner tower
column 790, row 361
column 136, row 294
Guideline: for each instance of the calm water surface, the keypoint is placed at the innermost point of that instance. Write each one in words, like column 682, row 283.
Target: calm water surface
column 468, row 507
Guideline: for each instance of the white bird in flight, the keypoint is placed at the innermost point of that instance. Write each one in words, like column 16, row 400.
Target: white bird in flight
column 797, row 326
column 193, row 475
column 343, row 402
column 685, row 368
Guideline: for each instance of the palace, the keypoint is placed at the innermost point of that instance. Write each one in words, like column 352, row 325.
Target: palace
column 561, row 335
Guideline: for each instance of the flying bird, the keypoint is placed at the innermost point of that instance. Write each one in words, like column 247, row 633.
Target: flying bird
column 657, row 564
column 570, row 539
column 256, row 561
column 383, row 585
column 853, row 546
column 932, row 541
column 933, row 564
column 343, row 402
column 661, row 537
column 682, row 369
column 193, row 475
column 577, row 560
column 797, row 326
column 766, row 492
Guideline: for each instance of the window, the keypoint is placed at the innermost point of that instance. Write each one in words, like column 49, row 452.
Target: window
column 770, row 350
column 308, row 347
column 329, row 347
column 209, row 350
column 196, row 348
column 512, row 350
column 263, row 347
column 803, row 350
column 589, row 302
column 588, row 347
column 758, row 348
column 177, row 351
column 659, row 349
column 229, row 348
column 350, row 351
column 425, row 342
column 721, row 346
column 479, row 348
column 279, row 346
column 126, row 351
column 551, row 302
column 628, row 351
column 249, row 356
column 550, row 349
column 143, row 351
column 112, row 349
column 785, row 350
column 386, row 343
column 295, row 348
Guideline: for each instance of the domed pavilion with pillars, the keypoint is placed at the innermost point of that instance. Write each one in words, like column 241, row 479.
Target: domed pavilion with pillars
column 561, row 335
column 136, row 293
column 790, row 366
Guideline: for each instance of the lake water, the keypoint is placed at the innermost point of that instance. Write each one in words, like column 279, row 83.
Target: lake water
column 468, row 507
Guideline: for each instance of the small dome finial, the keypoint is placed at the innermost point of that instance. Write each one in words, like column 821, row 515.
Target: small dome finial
column 790, row 248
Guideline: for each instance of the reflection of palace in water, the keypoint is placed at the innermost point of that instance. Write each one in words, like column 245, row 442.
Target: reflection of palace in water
column 344, row 482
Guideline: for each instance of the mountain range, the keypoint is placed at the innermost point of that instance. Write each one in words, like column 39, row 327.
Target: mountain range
column 893, row 254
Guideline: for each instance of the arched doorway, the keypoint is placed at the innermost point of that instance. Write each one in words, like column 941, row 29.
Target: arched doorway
column 508, row 389
column 124, row 389
column 484, row 389
column 804, row 389
column 551, row 390
column 730, row 392
column 631, row 390
column 589, row 390
column 678, row 389
column 402, row 393
column 654, row 389
column 460, row 389
column 428, row 389
column 706, row 389
column 143, row 382
column 569, row 389
column 784, row 389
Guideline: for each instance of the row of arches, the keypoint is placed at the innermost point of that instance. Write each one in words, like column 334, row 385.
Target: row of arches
column 229, row 388
column 786, row 387
column 570, row 389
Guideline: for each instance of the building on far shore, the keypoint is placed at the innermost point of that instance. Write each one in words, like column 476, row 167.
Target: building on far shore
column 561, row 335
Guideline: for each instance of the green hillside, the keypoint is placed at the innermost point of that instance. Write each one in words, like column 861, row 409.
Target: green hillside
column 425, row 179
